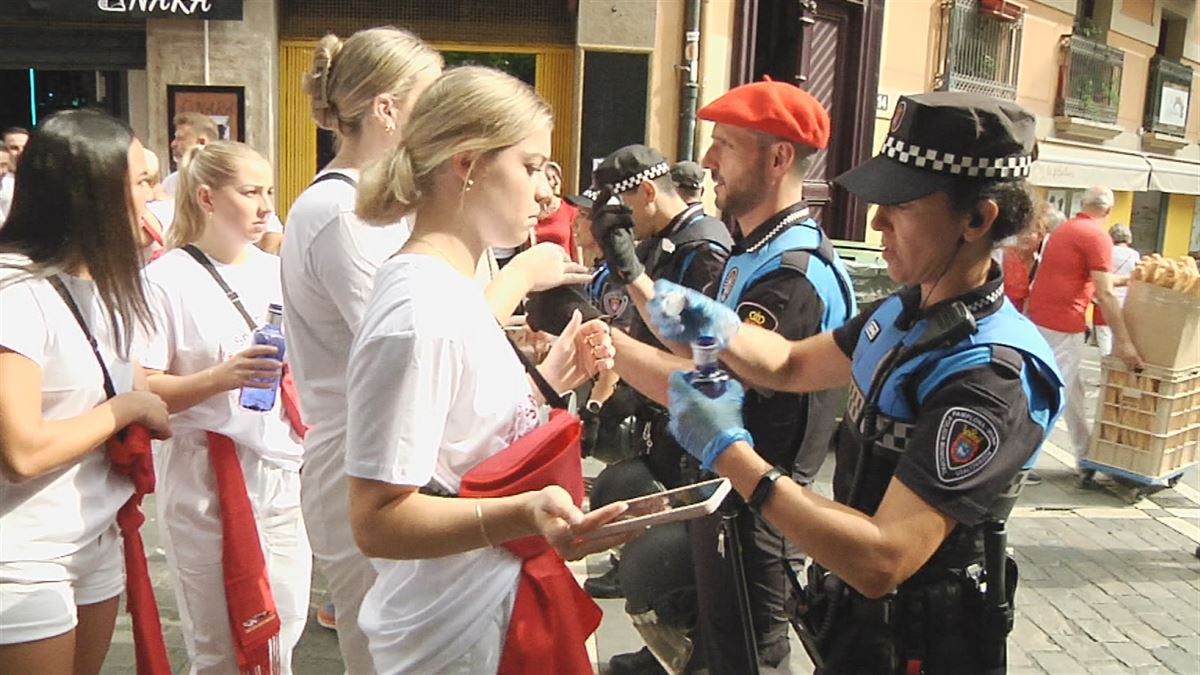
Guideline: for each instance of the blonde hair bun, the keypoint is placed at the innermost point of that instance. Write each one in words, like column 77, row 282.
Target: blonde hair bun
column 316, row 81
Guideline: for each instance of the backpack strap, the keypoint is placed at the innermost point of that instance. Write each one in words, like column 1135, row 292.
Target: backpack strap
column 204, row 262
column 69, row 301
column 334, row 175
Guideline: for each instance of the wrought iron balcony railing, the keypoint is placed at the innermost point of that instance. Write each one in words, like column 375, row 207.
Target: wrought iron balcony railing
column 978, row 51
column 1089, row 79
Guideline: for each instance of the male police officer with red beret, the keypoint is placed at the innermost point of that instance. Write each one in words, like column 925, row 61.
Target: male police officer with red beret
column 784, row 276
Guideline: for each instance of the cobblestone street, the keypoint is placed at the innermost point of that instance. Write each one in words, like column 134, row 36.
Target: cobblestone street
column 1106, row 587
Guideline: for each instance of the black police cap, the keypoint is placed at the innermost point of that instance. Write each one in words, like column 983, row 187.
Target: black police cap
column 629, row 167
column 940, row 138
column 586, row 199
column 687, row 175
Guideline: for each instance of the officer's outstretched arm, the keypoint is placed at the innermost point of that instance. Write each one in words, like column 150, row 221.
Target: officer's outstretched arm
column 767, row 360
column 641, row 291
column 874, row 554
column 645, row 368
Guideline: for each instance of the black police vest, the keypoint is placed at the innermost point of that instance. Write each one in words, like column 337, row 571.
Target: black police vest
column 896, row 368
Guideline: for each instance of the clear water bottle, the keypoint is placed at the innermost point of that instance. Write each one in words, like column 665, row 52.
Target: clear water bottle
column 709, row 378
column 262, row 400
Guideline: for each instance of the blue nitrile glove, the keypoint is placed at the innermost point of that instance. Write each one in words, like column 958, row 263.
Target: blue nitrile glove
column 705, row 426
column 683, row 315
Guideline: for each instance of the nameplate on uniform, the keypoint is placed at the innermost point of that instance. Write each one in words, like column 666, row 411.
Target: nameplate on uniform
column 872, row 330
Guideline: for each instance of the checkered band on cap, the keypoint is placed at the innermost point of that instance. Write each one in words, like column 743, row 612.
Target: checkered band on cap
column 650, row 173
column 1018, row 166
column 591, row 194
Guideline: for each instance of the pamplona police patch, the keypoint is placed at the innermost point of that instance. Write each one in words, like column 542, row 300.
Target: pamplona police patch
column 966, row 442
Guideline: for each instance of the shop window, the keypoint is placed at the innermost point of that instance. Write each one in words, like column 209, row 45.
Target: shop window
column 1067, row 201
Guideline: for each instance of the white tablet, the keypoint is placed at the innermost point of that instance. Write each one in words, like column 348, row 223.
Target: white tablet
column 685, row 503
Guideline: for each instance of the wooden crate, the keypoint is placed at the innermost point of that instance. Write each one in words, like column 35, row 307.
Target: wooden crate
column 1147, row 423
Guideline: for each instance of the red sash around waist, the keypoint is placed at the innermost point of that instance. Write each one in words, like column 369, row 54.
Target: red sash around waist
column 552, row 617
column 253, row 619
column 130, row 455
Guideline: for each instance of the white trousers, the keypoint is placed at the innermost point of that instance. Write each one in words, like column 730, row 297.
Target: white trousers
column 1104, row 339
column 325, row 498
column 189, row 515
column 1068, row 352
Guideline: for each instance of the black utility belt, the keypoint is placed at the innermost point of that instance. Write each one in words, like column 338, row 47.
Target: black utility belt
column 957, row 586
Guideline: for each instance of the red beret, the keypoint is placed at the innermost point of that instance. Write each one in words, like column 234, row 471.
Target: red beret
column 776, row 108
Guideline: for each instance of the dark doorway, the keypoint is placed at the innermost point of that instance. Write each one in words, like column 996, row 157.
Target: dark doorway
column 831, row 49
column 55, row 90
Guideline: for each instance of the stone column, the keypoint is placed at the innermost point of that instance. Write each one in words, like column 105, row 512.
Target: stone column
column 243, row 53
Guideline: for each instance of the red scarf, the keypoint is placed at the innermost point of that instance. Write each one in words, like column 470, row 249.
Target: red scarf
column 291, row 402
column 552, row 617
column 130, row 455
column 253, row 619
column 155, row 235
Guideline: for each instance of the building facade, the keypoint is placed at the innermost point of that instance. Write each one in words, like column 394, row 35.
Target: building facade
column 1112, row 83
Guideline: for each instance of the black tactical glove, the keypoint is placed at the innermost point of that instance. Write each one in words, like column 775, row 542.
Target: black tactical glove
column 612, row 228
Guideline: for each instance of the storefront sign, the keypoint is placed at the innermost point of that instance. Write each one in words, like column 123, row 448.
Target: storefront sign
column 230, row 10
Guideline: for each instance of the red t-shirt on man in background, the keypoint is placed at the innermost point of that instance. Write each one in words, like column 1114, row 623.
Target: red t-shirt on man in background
column 556, row 228
column 1063, row 288
column 1016, row 277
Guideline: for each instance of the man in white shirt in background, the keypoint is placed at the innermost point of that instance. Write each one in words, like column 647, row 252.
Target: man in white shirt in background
column 191, row 129
column 6, row 185
column 14, row 144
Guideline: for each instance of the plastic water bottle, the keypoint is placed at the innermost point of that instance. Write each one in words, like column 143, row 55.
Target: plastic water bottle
column 709, row 378
column 263, row 400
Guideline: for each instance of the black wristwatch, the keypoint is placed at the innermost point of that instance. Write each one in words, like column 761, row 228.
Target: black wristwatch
column 764, row 488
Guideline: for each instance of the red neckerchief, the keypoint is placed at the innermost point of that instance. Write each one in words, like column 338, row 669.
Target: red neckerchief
column 155, row 235
column 130, row 455
column 291, row 402
column 552, row 617
column 253, row 619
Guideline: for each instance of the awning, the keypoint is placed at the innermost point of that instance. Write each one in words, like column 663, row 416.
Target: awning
column 1070, row 166
column 1173, row 175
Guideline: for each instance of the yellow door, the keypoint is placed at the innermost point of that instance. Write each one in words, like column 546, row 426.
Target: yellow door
column 555, row 82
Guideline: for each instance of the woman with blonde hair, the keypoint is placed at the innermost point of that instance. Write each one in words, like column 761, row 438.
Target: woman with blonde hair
column 229, row 480
column 361, row 89
column 435, row 388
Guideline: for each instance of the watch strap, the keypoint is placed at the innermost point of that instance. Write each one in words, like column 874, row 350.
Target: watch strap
column 764, row 488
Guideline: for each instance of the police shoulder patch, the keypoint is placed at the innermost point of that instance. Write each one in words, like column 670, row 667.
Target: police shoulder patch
column 615, row 303
column 752, row 312
column 966, row 442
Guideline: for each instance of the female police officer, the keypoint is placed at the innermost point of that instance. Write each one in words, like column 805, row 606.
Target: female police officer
column 952, row 392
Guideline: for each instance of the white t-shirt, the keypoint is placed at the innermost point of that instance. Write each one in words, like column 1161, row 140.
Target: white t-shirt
column 171, row 182
column 199, row 327
column 7, row 182
column 434, row 388
column 164, row 210
column 58, row 513
column 329, row 258
column 1125, row 258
